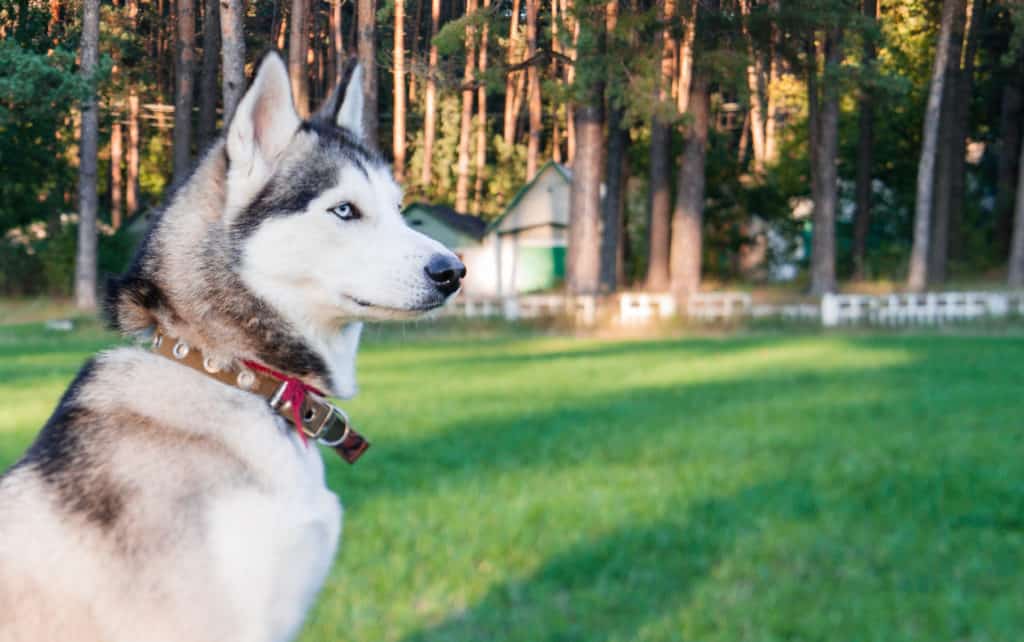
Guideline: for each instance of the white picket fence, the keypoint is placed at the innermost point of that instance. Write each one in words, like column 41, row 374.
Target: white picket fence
column 640, row 308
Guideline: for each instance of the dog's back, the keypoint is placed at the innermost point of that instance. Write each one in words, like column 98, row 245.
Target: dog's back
column 158, row 504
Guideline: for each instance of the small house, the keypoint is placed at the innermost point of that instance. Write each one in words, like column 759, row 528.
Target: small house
column 457, row 232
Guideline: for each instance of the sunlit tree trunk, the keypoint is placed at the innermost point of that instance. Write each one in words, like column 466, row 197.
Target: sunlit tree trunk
column 430, row 109
column 367, row 16
column 208, row 89
column 466, row 127
column 533, row 90
column 917, row 279
column 660, row 165
column 132, row 183
column 771, row 151
column 754, row 83
column 511, row 79
column 398, row 114
column 481, row 125
column 688, row 17
column 298, row 39
column 116, row 175
column 184, row 86
column 85, row 256
column 865, row 148
column 688, row 216
column 823, row 95
column 232, row 22
column 583, row 265
column 337, row 42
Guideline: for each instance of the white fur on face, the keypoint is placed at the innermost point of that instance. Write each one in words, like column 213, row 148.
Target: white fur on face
column 330, row 270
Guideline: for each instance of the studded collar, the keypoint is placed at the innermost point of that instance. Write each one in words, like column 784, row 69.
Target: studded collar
column 312, row 415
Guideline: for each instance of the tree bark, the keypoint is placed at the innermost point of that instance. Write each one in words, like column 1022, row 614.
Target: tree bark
column 398, row 77
column 945, row 163
column 511, row 79
column 232, row 22
column 1009, row 155
column 298, row 39
column 660, row 205
column 917, row 279
column 208, row 76
column 754, row 83
column 1015, row 277
column 823, row 170
column 367, row 17
column 184, row 86
column 865, row 149
column 583, row 267
column 85, row 256
column 430, row 115
column 688, row 216
column 615, row 166
column 337, row 42
column 132, row 184
column 481, row 125
column 533, row 80
column 685, row 76
column 116, row 175
column 961, row 124
column 771, row 153
column 466, row 126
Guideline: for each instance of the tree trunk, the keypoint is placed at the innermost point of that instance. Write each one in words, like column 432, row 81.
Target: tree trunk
column 337, row 42
column 232, row 22
column 116, row 177
column 865, row 149
column 398, row 114
column 660, row 189
column 85, row 256
column 1015, row 278
column 754, row 83
column 688, row 217
column 1009, row 155
column 367, row 17
column 414, row 51
column 918, row 273
column 533, row 79
column 771, row 153
column 583, row 267
column 481, row 131
column 208, row 77
column 570, row 78
column 685, row 76
column 511, row 79
column 298, row 40
column 430, row 115
column 184, row 86
column 132, row 184
column 945, row 165
column 466, row 127
column 961, row 124
column 823, row 169
column 614, row 197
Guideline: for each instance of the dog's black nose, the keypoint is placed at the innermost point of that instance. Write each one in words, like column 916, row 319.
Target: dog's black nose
column 445, row 271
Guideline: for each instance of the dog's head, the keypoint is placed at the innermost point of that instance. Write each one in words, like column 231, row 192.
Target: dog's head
column 288, row 236
column 316, row 215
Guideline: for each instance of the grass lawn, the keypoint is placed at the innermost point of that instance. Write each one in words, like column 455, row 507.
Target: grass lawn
column 819, row 487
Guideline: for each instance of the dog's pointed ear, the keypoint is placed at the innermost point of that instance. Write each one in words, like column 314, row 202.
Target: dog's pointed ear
column 344, row 107
column 345, row 349
column 265, row 119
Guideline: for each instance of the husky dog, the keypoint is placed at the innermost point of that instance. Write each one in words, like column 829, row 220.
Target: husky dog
column 160, row 504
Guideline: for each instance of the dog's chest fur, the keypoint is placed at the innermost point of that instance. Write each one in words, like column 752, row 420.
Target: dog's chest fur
column 193, row 510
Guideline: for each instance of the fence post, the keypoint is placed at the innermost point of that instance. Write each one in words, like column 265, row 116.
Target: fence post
column 829, row 310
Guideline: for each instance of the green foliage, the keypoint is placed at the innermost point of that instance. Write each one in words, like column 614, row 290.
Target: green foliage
column 37, row 94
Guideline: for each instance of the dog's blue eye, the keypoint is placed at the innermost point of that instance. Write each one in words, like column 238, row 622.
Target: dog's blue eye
column 345, row 211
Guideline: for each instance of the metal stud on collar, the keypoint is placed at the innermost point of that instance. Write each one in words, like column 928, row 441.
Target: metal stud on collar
column 210, row 365
column 180, row 350
column 246, row 379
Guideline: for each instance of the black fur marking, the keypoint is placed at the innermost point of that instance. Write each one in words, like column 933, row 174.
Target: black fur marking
column 62, row 461
column 341, row 138
column 283, row 195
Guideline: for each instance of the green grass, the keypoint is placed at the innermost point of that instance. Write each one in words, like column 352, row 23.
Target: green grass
column 833, row 488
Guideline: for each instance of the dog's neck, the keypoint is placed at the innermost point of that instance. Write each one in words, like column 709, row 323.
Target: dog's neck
column 184, row 281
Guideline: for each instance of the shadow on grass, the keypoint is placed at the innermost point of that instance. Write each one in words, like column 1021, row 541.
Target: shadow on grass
column 614, row 586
